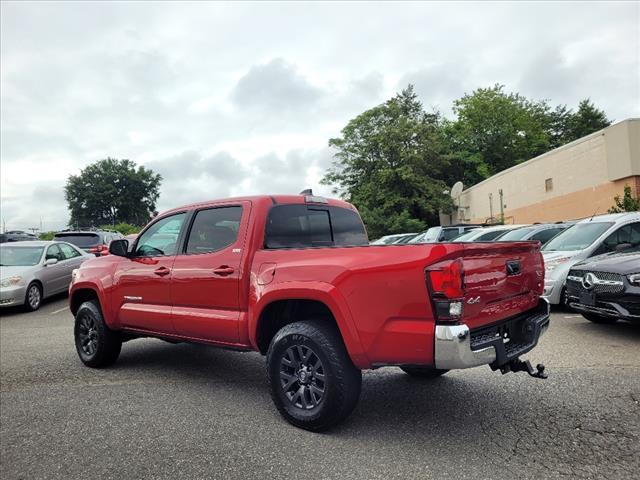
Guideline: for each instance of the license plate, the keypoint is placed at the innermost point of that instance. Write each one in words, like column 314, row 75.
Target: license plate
column 588, row 298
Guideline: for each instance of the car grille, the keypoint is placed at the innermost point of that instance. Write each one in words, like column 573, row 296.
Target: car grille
column 616, row 284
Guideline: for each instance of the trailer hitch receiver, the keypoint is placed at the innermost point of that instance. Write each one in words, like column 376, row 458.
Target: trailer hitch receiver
column 517, row 365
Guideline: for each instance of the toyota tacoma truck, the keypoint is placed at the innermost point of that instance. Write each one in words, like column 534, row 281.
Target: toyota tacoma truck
column 293, row 277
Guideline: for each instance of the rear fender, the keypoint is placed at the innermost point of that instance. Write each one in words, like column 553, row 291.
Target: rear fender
column 317, row 291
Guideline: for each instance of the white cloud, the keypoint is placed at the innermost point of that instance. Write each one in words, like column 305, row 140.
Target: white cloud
column 231, row 99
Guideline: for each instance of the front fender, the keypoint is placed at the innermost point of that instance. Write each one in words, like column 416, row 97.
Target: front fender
column 318, row 291
column 107, row 312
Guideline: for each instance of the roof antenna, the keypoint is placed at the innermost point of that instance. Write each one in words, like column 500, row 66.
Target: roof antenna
column 594, row 213
column 306, row 191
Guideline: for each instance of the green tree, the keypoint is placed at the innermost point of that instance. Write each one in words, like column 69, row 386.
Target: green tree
column 586, row 120
column 628, row 203
column 111, row 191
column 46, row 235
column 123, row 228
column 495, row 130
column 389, row 163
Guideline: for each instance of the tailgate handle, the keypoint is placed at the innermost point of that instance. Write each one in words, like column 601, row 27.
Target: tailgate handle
column 513, row 267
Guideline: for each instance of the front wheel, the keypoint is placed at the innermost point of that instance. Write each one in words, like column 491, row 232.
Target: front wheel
column 313, row 382
column 423, row 372
column 598, row 319
column 33, row 298
column 97, row 345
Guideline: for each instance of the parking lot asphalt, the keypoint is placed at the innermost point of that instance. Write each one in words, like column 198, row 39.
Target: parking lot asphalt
column 191, row 411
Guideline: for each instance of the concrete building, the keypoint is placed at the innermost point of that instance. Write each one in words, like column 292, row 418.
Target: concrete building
column 571, row 182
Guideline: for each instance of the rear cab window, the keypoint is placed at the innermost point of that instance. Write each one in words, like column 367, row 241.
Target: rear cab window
column 309, row 226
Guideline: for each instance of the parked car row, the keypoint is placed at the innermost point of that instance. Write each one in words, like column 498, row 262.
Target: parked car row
column 16, row 236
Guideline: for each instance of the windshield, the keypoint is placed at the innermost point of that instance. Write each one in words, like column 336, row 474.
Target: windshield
column 12, row 256
column 81, row 240
column 517, row 234
column 578, row 237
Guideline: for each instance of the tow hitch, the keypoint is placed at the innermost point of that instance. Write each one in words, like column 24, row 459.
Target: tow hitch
column 518, row 365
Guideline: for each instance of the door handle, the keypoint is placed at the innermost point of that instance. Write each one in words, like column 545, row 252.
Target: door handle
column 224, row 270
column 162, row 271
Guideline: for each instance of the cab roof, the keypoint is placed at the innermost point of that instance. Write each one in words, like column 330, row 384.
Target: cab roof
column 272, row 199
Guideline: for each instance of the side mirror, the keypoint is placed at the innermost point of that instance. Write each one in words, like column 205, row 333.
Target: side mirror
column 119, row 248
column 621, row 247
column 50, row 261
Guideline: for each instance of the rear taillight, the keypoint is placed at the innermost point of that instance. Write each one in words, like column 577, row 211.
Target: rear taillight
column 446, row 285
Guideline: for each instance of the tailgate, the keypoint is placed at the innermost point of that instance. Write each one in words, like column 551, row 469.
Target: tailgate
column 500, row 280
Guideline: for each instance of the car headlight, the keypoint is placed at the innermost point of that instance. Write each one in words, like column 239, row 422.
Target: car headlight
column 11, row 281
column 552, row 264
column 634, row 279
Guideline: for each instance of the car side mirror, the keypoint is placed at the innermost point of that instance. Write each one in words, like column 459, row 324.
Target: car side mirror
column 621, row 247
column 119, row 248
column 50, row 261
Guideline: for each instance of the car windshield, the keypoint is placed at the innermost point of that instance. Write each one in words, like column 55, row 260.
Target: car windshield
column 82, row 240
column 517, row 234
column 578, row 237
column 17, row 256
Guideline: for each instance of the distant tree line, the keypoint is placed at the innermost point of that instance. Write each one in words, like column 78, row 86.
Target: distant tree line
column 394, row 161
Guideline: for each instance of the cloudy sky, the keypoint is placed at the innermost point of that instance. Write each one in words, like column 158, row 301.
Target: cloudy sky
column 231, row 99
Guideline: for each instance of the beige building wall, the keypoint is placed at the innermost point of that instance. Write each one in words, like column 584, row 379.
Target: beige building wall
column 570, row 182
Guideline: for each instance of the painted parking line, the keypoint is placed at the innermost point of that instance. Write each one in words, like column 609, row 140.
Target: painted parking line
column 59, row 310
column 572, row 316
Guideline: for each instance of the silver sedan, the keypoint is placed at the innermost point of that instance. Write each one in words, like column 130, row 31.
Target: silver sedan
column 32, row 271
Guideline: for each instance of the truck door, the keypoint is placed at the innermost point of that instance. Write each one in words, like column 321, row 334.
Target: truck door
column 142, row 282
column 205, row 282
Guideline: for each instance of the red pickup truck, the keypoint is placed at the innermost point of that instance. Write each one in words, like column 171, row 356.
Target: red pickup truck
column 294, row 278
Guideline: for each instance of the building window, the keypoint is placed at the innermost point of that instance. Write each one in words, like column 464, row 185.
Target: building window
column 548, row 184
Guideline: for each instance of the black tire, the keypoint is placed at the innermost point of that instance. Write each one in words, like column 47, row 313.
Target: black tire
column 598, row 319
column 329, row 389
column 33, row 297
column 423, row 372
column 97, row 345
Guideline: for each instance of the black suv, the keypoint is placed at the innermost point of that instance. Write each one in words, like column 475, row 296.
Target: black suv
column 606, row 288
column 93, row 241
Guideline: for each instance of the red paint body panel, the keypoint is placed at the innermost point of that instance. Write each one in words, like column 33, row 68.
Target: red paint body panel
column 377, row 294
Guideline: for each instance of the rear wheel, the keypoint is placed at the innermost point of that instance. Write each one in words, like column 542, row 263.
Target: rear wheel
column 599, row 319
column 313, row 382
column 423, row 372
column 33, row 298
column 97, row 345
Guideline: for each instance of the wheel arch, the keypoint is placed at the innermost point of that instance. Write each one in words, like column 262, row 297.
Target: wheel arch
column 290, row 304
column 81, row 295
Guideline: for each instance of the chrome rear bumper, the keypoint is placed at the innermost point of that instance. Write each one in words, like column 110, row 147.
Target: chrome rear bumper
column 456, row 346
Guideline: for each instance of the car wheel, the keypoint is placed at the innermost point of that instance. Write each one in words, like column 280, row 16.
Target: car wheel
column 33, row 297
column 314, row 384
column 423, row 372
column 97, row 345
column 599, row 319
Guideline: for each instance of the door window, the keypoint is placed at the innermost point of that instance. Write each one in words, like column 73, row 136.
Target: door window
column 214, row 229
column 54, row 252
column 161, row 238
column 68, row 251
column 629, row 234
